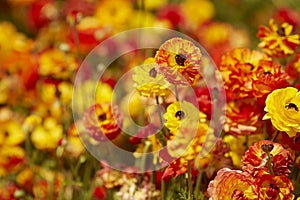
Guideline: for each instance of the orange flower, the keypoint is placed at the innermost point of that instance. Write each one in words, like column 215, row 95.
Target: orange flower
column 103, row 121
column 274, row 187
column 278, row 41
column 237, row 67
column 179, row 61
column 242, row 118
column 232, row 185
column 267, row 78
column 255, row 158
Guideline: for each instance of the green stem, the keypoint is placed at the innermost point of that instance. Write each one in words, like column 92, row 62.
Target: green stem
column 190, row 185
column 198, row 182
column 269, row 163
column 143, row 161
column 163, row 189
column 176, row 92
column 275, row 136
column 159, row 112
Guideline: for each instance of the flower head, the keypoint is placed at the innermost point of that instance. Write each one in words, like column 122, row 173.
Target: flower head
column 180, row 114
column 148, row 81
column 278, row 41
column 237, row 68
column 179, row 61
column 267, row 78
column 242, row 118
column 232, row 184
column 255, row 159
column 274, row 187
column 103, row 121
column 282, row 107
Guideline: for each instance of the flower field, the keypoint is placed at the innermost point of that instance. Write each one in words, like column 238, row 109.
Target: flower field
column 149, row 100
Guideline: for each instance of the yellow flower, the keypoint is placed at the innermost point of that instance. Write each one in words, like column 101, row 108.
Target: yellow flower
column 56, row 63
column 282, row 107
column 194, row 18
column 116, row 14
column 46, row 136
column 11, row 40
column 11, row 154
column 148, row 81
column 180, row 114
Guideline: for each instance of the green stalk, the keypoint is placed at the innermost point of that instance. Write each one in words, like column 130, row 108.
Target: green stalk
column 275, row 136
column 190, row 185
column 269, row 163
column 163, row 189
column 198, row 182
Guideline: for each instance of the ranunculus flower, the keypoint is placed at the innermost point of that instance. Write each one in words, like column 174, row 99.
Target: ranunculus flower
column 255, row 158
column 179, row 61
column 148, row 81
column 103, row 121
column 282, row 107
column 232, row 185
column 278, row 40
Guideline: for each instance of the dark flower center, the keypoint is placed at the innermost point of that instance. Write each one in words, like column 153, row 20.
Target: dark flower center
column 179, row 115
column 281, row 31
column 292, row 105
column 153, row 72
column 267, row 147
column 272, row 190
column 180, row 59
column 267, row 73
column 102, row 117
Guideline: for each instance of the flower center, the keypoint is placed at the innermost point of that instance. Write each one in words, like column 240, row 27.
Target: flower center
column 292, row 105
column 267, row 147
column 180, row 59
column 281, row 31
column 102, row 117
column 179, row 115
column 153, row 72
column 272, row 190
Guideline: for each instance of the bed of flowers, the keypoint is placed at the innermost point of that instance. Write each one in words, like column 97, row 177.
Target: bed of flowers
column 211, row 111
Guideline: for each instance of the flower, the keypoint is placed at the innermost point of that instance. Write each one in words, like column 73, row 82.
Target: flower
column 232, row 184
column 192, row 17
column 47, row 134
column 181, row 114
column 278, row 41
column 11, row 153
column 148, row 81
column 179, row 61
column 237, row 67
column 267, row 78
column 256, row 158
column 274, row 187
column 282, row 107
column 238, row 146
column 57, row 64
column 103, row 121
column 242, row 118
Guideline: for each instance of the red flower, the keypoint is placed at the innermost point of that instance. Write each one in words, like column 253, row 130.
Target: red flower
column 267, row 78
column 271, row 187
column 243, row 118
column 256, row 159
